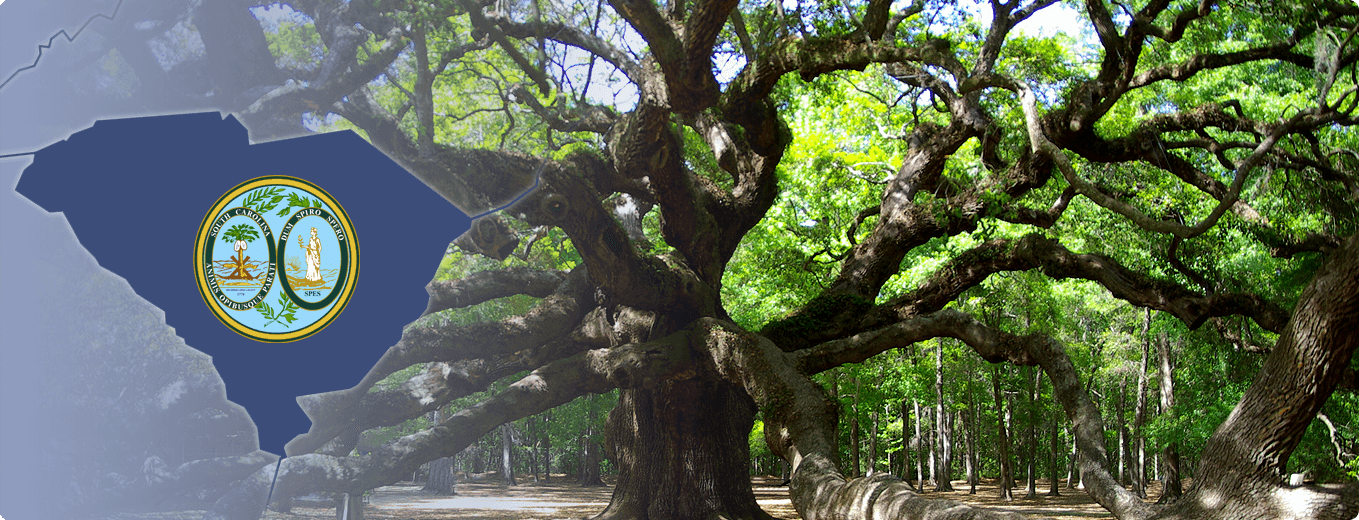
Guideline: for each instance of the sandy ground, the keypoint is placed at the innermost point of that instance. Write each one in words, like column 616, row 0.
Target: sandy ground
column 490, row 500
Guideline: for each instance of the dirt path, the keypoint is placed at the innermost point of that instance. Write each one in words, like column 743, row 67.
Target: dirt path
column 486, row 500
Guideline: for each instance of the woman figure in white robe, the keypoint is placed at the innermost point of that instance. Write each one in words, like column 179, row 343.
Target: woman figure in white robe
column 313, row 248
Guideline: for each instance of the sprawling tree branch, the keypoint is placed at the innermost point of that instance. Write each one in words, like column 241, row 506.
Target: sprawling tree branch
column 573, row 36
column 551, row 319
column 1041, row 144
column 488, row 285
column 547, row 387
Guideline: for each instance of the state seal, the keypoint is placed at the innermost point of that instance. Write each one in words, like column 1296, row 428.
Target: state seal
column 276, row 259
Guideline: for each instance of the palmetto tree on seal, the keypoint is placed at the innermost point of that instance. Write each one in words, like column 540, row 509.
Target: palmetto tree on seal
column 241, row 235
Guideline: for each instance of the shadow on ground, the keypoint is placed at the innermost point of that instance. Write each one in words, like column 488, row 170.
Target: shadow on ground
column 563, row 499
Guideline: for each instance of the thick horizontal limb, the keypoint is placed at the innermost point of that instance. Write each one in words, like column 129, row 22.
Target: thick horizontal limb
column 484, row 286
column 550, row 320
column 595, row 371
column 1035, row 251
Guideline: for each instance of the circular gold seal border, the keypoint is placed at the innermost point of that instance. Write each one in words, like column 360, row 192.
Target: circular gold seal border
column 344, row 292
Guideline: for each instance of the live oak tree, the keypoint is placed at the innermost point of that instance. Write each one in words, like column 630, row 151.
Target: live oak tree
column 659, row 139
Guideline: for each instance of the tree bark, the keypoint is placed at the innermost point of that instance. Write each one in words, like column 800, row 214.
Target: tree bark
column 547, row 446
column 589, row 450
column 855, row 468
column 919, row 450
column 1003, row 443
column 1072, row 477
column 942, row 481
column 507, row 455
column 872, row 443
column 1170, row 453
column 349, row 506
column 533, row 450
column 1121, row 432
column 971, row 419
column 1031, row 443
column 1056, row 459
column 1240, row 473
column 906, row 443
column 442, row 480
column 1139, row 474
column 676, row 453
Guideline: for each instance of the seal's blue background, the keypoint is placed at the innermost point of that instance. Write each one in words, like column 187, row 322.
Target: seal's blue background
column 134, row 192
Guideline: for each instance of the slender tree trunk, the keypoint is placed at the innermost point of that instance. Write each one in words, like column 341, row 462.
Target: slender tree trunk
column 905, row 443
column 1072, row 467
column 854, row 465
column 872, row 442
column 1031, row 490
column 507, row 455
column 919, row 450
column 349, row 506
column 1003, row 445
column 931, row 446
column 1140, row 414
column 968, row 469
column 547, row 446
column 1056, row 458
column 589, row 470
column 441, row 479
column 1170, row 453
column 1121, row 432
column 969, row 418
column 532, row 423
column 942, row 480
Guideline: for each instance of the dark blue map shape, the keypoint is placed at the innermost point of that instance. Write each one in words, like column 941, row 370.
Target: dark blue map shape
column 135, row 191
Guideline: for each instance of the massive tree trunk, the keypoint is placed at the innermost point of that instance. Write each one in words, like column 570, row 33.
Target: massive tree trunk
column 676, row 453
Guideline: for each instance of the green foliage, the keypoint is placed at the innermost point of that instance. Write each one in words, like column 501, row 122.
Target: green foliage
column 287, row 311
column 293, row 41
column 294, row 201
column 263, row 199
column 240, row 232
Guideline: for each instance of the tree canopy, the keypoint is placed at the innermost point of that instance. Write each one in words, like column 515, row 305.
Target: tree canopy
column 728, row 200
